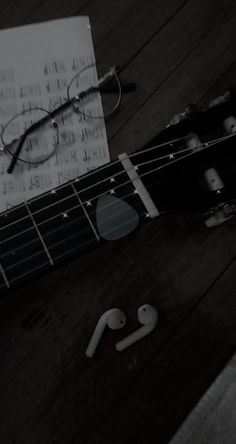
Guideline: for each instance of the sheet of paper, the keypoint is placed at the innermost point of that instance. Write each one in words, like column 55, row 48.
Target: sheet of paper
column 37, row 63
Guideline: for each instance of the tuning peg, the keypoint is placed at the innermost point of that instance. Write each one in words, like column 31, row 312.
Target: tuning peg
column 230, row 124
column 193, row 142
column 220, row 214
column 226, row 97
column 189, row 110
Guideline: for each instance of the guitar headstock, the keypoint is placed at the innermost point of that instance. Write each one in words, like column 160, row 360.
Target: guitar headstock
column 191, row 164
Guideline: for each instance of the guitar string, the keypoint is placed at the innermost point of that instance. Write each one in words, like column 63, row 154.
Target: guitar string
column 197, row 149
column 60, row 227
column 109, row 165
column 7, row 268
column 84, row 231
column 39, row 224
column 62, row 255
column 96, row 171
column 96, row 197
column 52, row 231
column 206, row 144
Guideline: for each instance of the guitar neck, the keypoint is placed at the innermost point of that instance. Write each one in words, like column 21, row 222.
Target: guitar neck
column 105, row 204
column 110, row 202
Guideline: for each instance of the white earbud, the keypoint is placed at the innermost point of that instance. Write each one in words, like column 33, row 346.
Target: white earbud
column 148, row 316
column 114, row 319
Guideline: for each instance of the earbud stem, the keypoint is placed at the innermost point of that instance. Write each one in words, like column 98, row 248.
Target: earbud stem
column 134, row 337
column 97, row 334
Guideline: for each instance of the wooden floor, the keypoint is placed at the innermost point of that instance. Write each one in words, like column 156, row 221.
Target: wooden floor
column 177, row 51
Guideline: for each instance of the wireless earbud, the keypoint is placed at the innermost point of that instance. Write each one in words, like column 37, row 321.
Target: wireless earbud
column 114, row 319
column 148, row 316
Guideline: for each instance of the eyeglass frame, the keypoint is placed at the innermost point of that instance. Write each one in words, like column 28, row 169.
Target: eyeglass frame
column 111, row 74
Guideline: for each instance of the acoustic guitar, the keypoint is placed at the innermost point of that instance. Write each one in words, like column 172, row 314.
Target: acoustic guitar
column 189, row 166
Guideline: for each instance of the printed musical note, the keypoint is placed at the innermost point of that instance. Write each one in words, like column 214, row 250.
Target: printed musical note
column 26, row 106
column 29, row 90
column 56, row 85
column 66, row 157
column 10, row 187
column 40, row 182
column 68, row 138
column 79, row 63
column 8, row 93
column 92, row 134
column 7, row 75
column 86, row 156
column 52, row 68
column 66, row 175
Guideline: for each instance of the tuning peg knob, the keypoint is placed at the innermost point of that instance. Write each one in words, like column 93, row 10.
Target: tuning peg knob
column 230, row 124
column 191, row 108
column 226, row 97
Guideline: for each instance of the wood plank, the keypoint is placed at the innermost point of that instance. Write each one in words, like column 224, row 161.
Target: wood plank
column 50, row 10
column 45, row 376
column 120, row 31
column 173, row 382
column 16, row 13
column 50, row 392
column 183, row 76
column 108, row 18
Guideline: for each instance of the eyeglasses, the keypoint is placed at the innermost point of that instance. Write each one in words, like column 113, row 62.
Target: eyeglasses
column 33, row 135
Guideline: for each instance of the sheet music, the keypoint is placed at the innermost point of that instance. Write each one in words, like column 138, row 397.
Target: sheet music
column 36, row 64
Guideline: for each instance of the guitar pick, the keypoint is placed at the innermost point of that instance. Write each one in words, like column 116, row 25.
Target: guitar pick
column 115, row 217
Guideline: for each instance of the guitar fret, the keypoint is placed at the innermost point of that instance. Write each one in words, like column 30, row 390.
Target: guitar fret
column 39, row 234
column 139, row 187
column 66, row 223
column 4, row 276
column 64, row 240
column 85, row 212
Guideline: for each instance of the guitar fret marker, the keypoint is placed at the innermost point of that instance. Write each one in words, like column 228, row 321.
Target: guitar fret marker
column 112, row 180
column 39, row 234
column 139, row 186
column 88, row 204
column 65, row 216
column 112, row 191
column 171, row 156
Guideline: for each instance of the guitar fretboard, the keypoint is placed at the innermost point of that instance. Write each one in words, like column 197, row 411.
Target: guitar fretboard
column 58, row 225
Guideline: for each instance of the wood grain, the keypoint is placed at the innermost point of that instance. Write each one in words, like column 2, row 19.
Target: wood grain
column 177, row 52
